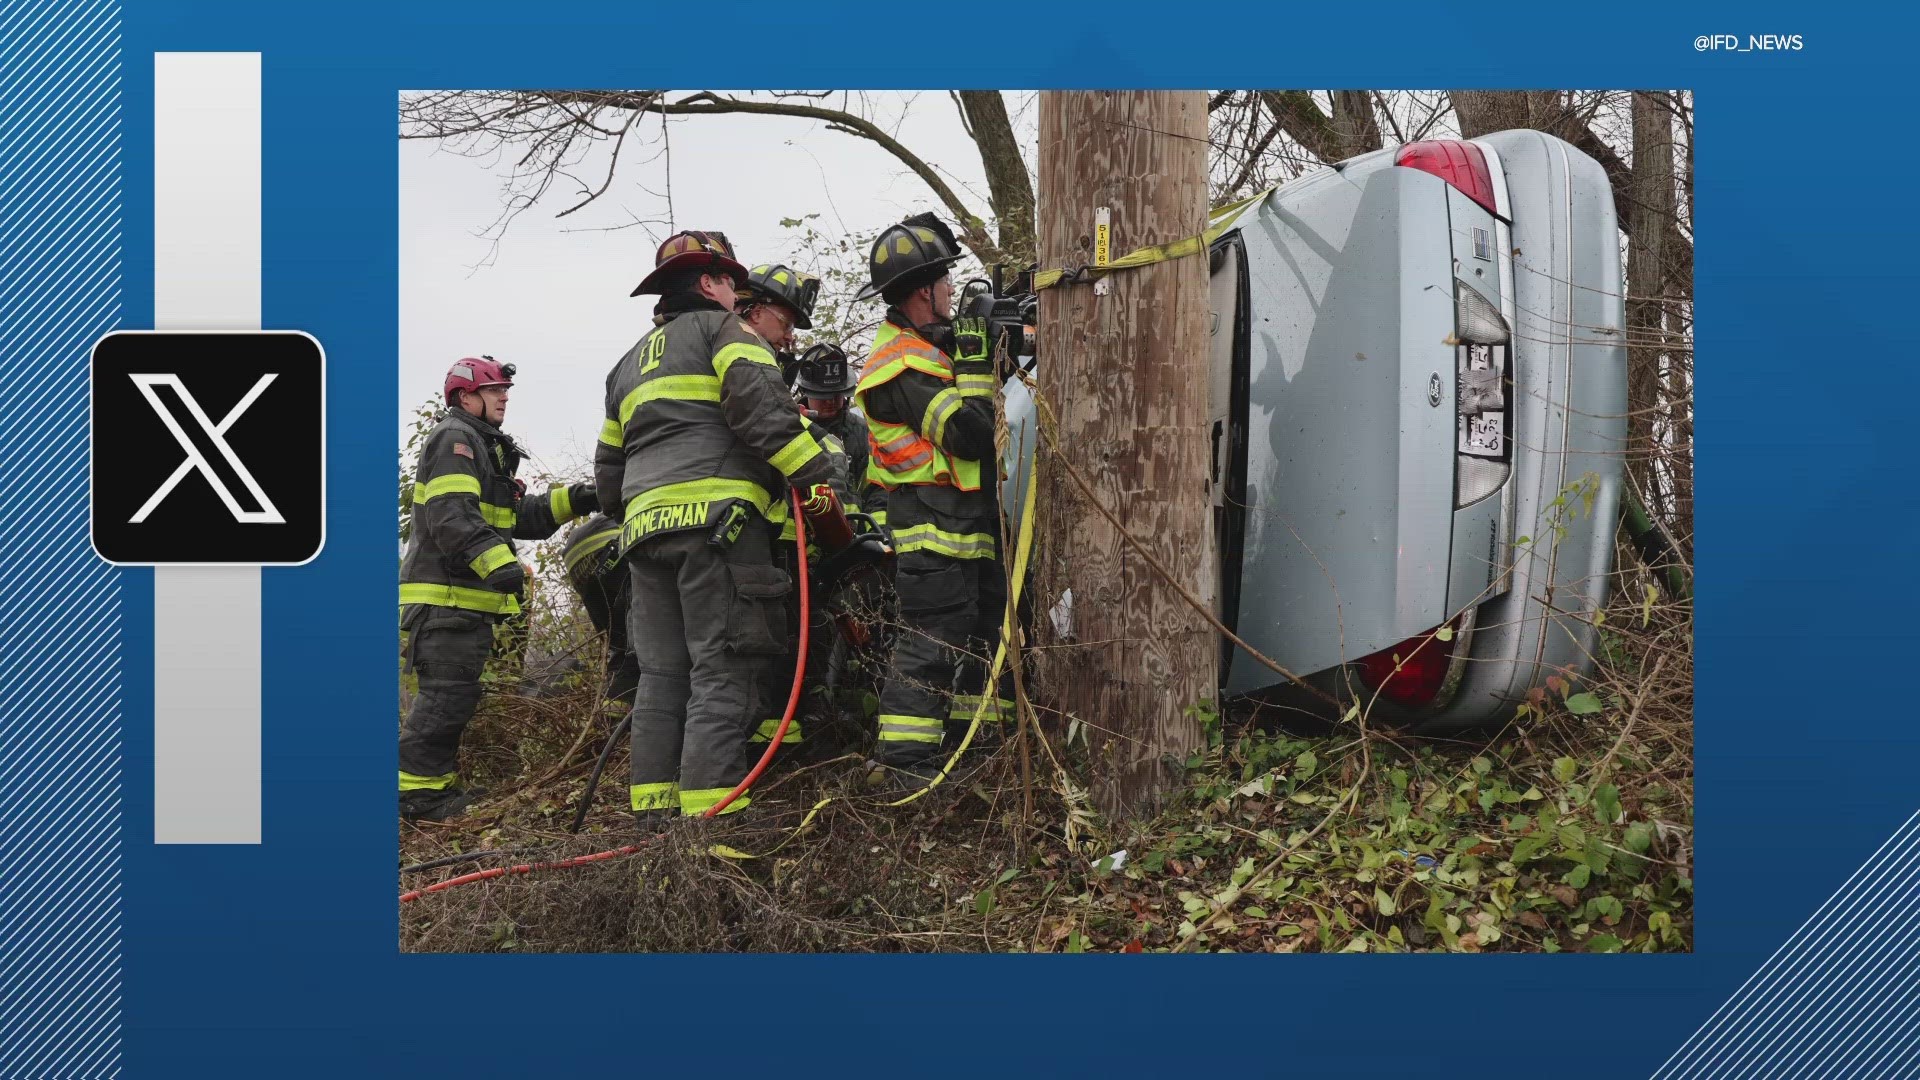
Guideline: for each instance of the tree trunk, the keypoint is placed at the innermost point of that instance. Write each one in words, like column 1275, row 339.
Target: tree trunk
column 1008, row 185
column 1353, row 118
column 1124, row 369
column 1652, row 204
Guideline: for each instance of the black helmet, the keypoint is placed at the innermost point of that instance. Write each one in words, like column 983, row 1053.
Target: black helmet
column 785, row 286
column 912, row 253
column 824, row 371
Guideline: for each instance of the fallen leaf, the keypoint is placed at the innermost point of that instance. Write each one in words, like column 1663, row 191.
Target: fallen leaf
column 1133, row 946
column 1533, row 920
column 1569, row 898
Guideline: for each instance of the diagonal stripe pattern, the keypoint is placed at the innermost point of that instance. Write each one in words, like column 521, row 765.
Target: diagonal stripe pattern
column 1840, row 998
column 60, row 649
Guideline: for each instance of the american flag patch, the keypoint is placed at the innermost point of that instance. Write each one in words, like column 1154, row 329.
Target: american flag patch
column 463, row 450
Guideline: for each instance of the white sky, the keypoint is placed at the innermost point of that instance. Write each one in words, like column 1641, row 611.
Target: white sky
column 553, row 298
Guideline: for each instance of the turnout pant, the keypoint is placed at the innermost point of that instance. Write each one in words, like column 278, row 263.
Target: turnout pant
column 609, row 615
column 811, row 717
column 707, row 623
column 447, row 649
column 950, row 615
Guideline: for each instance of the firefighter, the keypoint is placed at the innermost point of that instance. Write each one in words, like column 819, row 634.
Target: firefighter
column 601, row 583
column 460, row 574
column 777, row 300
column 824, row 384
column 927, row 392
column 700, row 440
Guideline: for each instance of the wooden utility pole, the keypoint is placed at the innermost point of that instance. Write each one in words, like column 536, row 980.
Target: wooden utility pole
column 1123, row 366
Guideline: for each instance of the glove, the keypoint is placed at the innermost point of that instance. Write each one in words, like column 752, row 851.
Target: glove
column 970, row 344
column 511, row 578
column 818, row 500
column 583, row 498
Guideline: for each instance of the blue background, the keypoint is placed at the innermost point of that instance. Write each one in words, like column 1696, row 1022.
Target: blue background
column 282, row 958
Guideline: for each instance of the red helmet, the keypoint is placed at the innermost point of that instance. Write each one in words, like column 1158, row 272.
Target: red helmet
column 472, row 374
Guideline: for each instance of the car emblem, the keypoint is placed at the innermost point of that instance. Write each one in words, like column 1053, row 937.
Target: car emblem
column 1435, row 390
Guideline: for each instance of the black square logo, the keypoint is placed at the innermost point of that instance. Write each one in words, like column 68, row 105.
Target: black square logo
column 209, row 448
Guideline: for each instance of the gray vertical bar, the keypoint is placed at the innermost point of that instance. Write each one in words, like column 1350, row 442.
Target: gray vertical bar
column 206, row 620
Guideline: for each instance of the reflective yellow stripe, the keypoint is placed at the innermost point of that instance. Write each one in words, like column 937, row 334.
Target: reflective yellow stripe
column 700, row 491
column 975, row 385
column 764, row 733
column 560, row 501
column 411, row 782
column 613, row 434
column 880, row 518
column 695, row 803
column 799, row 450
column 451, row 484
column 941, row 542
column 910, row 728
column 453, row 596
column 588, row 546
column 667, row 388
column 500, row 517
column 653, row 796
column 741, row 350
column 939, row 411
column 492, row 559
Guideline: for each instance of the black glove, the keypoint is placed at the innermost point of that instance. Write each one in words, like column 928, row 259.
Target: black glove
column 511, row 578
column 583, row 498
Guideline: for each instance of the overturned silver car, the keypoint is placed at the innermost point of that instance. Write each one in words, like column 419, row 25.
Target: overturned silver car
column 1418, row 421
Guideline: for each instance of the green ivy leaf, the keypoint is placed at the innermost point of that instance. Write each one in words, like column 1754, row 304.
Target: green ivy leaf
column 1383, row 902
column 1606, row 803
column 1565, row 769
column 1604, row 943
column 1579, row 876
column 1639, row 838
column 1583, row 704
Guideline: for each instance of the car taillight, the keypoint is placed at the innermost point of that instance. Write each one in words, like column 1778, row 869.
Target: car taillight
column 1461, row 164
column 1411, row 673
column 1482, row 341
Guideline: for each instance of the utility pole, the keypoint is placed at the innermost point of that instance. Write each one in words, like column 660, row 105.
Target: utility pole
column 1124, row 369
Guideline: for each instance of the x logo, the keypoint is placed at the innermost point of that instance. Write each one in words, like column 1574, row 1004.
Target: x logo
column 267, row 515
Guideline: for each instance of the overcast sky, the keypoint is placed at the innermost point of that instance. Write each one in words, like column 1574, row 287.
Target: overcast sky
column 552, row 297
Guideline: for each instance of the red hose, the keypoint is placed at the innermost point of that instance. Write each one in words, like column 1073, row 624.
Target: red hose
column 773, row 745
column 523, row 868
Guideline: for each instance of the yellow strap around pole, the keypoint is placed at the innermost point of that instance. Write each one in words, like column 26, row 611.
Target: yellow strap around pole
column 1218, row 223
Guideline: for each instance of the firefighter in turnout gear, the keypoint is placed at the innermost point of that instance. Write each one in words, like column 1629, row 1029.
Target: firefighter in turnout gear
column 825, row 385
column 927, row 392
column 460, row 574
column 700, row 440
column 776, row 301
column 600, row 581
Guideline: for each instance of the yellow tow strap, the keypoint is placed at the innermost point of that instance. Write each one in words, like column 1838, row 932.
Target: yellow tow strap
column 1219, row 222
